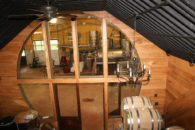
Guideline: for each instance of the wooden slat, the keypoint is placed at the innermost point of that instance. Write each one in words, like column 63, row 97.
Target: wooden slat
column 105, row 67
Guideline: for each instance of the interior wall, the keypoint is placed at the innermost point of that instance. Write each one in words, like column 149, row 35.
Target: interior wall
column 149, row 53
column 11, row 101
column 180, row 94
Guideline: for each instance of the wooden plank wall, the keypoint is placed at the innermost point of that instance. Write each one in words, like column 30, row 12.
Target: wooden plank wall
column 180, row 94
column 148, row 52
column 91, row 100
column 11, row 101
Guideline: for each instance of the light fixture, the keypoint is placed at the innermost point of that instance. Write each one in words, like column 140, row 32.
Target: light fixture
column 53, row 20
column 136, row 73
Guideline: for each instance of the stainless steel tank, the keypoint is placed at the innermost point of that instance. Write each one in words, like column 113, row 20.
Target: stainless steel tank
column 115, row 53
column 93, row 37
column 69, row 38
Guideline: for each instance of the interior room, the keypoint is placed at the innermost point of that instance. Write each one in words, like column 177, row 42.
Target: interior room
column 97, row 65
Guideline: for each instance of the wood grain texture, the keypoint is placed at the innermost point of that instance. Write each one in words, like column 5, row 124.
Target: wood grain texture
column 75, row 49
column 11, row 101
column 46, row 41
column 91, row 101
column 147, row 52
column 105, row 67
column 180, row 97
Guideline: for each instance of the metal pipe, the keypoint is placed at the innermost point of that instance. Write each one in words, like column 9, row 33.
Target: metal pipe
column 111, row 53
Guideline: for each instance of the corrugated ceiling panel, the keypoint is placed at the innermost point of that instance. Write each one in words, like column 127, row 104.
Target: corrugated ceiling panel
column 170, row 24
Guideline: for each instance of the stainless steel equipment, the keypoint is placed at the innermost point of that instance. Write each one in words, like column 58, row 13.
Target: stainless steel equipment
column 93, row 37
column 111, row 53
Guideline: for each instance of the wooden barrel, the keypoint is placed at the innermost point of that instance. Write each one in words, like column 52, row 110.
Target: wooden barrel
column 136, row 102
column 142, row 119
column 175, row 128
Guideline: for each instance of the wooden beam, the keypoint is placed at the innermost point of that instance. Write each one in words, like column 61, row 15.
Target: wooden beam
column 95, row 79
column 75, row 49
column 76, row 62
column 32, row 81
column 53, row 104
column 105, row 67
column 105, row 48
column 46, row 41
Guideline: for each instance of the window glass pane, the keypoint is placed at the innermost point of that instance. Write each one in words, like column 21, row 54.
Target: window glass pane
column 38, row 48
column 119, row 49
column 90, row 46
column 37, row 97
column 38, row 43
column 23, row 53
column 53, row 42
column 61, row 48
column 54, row 47
column 33, row 63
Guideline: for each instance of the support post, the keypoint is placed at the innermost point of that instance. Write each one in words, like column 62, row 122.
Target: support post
column 105, row 66
column 76, row 61
column 46, row 41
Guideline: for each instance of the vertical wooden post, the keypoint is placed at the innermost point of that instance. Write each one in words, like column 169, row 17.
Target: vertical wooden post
column 75, row 49
column 105, row 66
column 76, row 62
column 46, row 40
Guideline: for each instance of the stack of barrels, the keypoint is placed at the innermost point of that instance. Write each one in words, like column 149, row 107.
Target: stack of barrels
column 138, row 114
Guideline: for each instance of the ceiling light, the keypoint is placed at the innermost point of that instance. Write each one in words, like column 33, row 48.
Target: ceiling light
column 53, row 20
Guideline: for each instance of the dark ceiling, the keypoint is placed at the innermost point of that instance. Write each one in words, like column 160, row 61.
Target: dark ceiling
column 170, row 24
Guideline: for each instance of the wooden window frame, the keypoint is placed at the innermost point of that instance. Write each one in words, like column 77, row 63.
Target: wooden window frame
column 77, row 79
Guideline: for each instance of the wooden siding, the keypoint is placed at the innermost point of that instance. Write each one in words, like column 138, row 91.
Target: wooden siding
column 180, row 97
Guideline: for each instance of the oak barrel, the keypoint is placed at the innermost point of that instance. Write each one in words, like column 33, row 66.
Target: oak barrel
column 136, row 102
column 175, row 128
column 142, row 119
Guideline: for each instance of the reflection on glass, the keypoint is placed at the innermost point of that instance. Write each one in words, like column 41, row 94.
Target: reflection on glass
column 61, row 48
column 90, row 43
column 37, row 97
column 119, row 49
column 32, row 58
